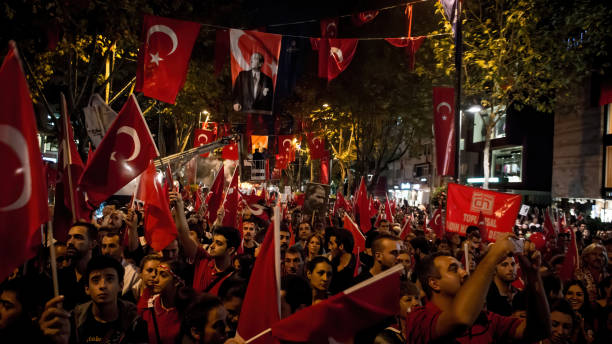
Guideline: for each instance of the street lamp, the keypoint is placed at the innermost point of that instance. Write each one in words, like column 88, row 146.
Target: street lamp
column 474, row 109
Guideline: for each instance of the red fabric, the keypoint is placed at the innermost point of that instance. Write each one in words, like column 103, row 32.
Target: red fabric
column 260, row 308
column 605, row 96
column 570, row 262
column 299, row 199
column 164, row 56
column 412, row 45
column 549, row 229
column 314, row 43
column 119, row 158
column 159, row 226
column 436, row 223
column 230, row 152
column 68, row 159
column 422, row 323
column 222, row 48
column 363, row 17
column 325, row 170
column 202, row 137
column 244, row 43
column 168, row 323
column 373, row 210
column 197, row 199
column 316, row 145
column 406, row 229
column 335, row 55
column 464, row 204
column 388, row 214
column 281, row 162
column 482, row 227
column 329, row 28
column 444, row 129
column 231, row 202
column 344, row 314
column 358, row 237
column 205, row 273
column 341, row 203
column 285, row 147
column 23, row 200
column 363, row 207
column 215, row 196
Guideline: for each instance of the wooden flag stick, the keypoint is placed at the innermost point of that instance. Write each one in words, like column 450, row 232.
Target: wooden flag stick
column 53, row 261
column 68, row 156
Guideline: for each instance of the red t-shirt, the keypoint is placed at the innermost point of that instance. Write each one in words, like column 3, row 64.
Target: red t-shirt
column 168, row 323
column 205, row 273
column 488, row 327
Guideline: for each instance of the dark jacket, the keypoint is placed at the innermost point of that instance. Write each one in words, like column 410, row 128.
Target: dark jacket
column 130, row 326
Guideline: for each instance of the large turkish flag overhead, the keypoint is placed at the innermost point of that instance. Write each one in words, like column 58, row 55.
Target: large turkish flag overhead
column 335, row 55
column 203, row 137
column 23, row 200
column 164, row 56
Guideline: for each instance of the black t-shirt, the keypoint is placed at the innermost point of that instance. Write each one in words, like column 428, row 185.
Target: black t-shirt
column 98, row 332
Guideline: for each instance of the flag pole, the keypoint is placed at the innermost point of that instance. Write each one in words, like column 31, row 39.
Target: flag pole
column 277, row 254
column 53, row 261
column 68, row 156
column 458, row 62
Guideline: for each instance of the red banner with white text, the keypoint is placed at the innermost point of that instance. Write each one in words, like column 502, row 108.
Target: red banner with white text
column 464, row 205
column 444, row 129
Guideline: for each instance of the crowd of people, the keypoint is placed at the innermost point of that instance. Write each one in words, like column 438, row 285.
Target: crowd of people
column 114, row 288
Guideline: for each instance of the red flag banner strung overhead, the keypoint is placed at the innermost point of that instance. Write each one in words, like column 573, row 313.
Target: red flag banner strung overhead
column 254, row 62
column 412, row 45
column 230, row 152
column 159, row 226
column 164, row 56
column 124, row 153
column 202, row 137
column 329, row 28
column 222, row 48
column 363, row 17
column 335, row 55
column 23, row 200
column 444, row 129
column 464, row 205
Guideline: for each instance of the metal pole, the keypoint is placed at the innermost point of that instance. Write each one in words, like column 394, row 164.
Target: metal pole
column 458, row 63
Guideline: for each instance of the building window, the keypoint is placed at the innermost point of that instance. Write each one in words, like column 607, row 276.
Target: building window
column 480, row 129
column 608, row 167
column 421, row 170
column 609, row 119
column 507, row 163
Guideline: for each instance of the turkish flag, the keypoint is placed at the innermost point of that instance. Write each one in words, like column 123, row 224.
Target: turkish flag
column 215, row 196
column 164, row 56
column 254, row 204
column 230, row 152
column 286, row 147
column 549, row 229
column 202, row 137
column 325, row 170
column 334, row 56
column 406, row 229
column 197, row 199
column 124, row 153
column 341, row 316
column 412, row 45
column 222, row 47
column 388, row 213
column 316, row 146
column 363, row 17
column 261, row 306
column 71, row 165
column 23, row 201
column 570, row 262
column 231, row 202
column 444, row 129
column 464, row 204
column 159, row 226
column 358, row 237
column 341, row 203
column 436, row 223
column 329, row 28
column 363, row 207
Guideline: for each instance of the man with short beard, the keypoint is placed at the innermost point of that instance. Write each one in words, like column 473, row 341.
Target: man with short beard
column 594, row 261
column 249, row 229
column 81, row 241
column 501, row 292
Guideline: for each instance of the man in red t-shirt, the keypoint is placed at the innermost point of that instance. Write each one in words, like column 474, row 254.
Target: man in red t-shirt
column 212, row 267
column 454, row 311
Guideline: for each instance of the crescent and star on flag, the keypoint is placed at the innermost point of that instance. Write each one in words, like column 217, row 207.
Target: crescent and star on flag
column 443, row 104
column 155, row 58
column 14, row 139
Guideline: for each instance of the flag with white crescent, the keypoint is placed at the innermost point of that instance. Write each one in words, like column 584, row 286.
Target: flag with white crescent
column 329, row 28
column 124, row 153
column 286, row 147
column 164, row 56
column 316, row 145
column 444, row 129
column 254, row 64
column 335, row 55
column 23, row 200
column 203, row 137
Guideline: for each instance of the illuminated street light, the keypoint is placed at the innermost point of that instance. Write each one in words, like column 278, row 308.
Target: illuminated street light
column 474, row 109
column 325, row 105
